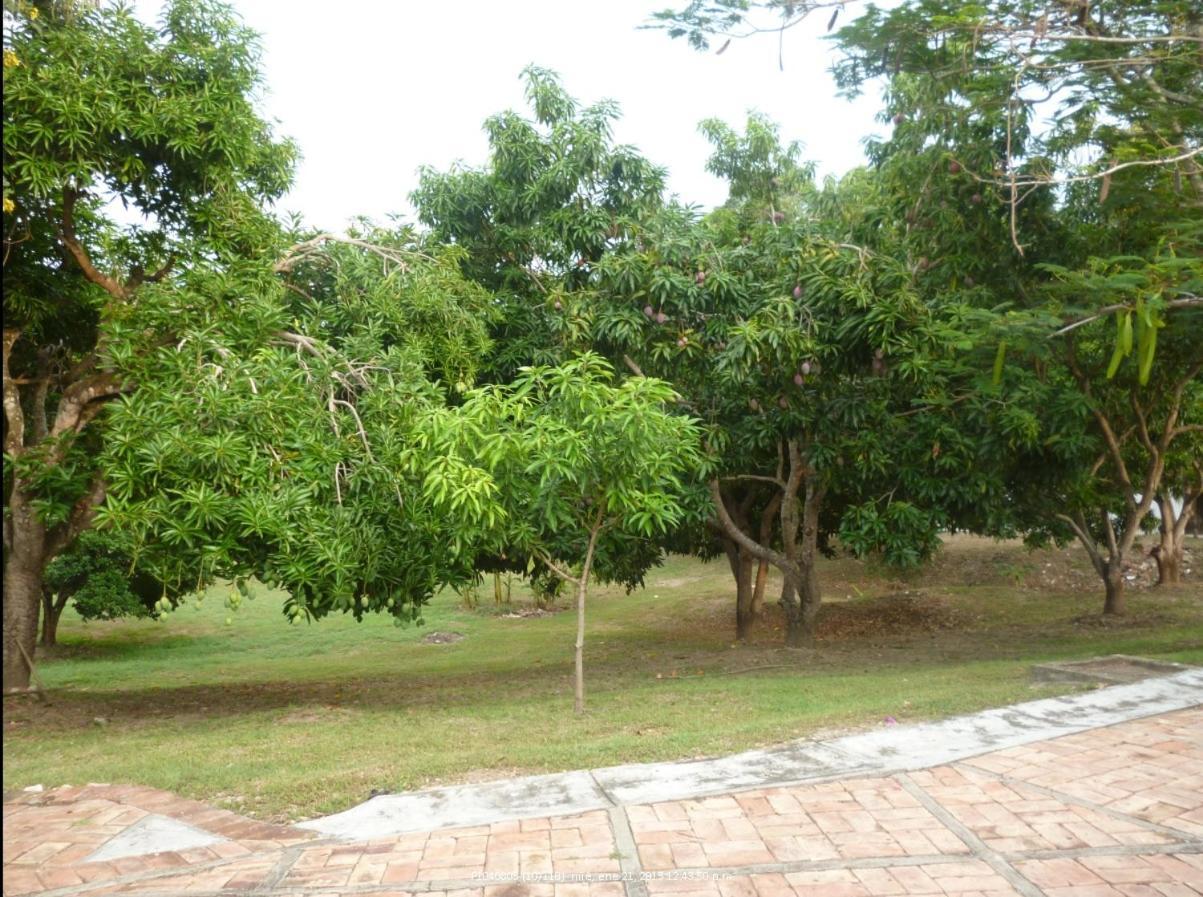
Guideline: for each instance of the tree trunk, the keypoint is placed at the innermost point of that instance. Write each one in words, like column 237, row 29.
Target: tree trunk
column 767, row 517
column 1113, row 582
column 1170, row 552
column 795, row 634
column 807, row 585
column 809, row 600
column 52, row 611
column 24, row 563
column 1194, row 526
column 741, row 562
column 1169, row 563
column 1110, row 567
column 582, row 586
column 762, row 577
column 799, row 627
column 745, row 613
column 579, row 699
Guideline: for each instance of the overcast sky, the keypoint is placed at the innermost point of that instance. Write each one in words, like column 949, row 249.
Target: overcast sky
column 372, row 90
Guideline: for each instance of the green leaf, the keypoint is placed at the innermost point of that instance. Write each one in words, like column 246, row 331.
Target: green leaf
column 999, row 357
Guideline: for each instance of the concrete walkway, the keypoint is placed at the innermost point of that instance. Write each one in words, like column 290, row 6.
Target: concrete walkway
column 1094, row 795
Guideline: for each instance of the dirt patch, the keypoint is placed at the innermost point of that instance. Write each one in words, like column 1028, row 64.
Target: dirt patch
column 843, row 625
column 890, row 615
column 311, row 715
column 442, row 638
column 968, row 560
column 1121, row 621
column 523, row 612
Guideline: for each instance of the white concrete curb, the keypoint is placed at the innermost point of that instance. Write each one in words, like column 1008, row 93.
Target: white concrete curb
column 871, row 753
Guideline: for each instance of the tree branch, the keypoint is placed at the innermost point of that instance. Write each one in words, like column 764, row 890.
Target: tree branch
column 67, row 230
column 1168, row 432
column 556, row 568
column 138, row 277
column 1190, row 502
column 14, row 415
column 1142, row 428
column 300, row 342
column 300, row 252
column 789, row 500
column 1102, row 459
column 770, row 512
column 1109, row 530
column 358, row 424
column 759, row 479
column 1080, row 178
column 78, row 404
column 82, row 514
column 743, row 539
column 797, row 469
column 1082, row 532
column 41, row 388
column 1182, row 302
column 1104, row 425
column 1021, row 35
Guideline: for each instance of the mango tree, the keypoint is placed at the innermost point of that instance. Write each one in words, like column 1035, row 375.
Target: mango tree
column 100, row 108
column 281, row 434
column 808, row 361
column 575, row 465
column 555, row 194
column 835, row 396
column 767, row 180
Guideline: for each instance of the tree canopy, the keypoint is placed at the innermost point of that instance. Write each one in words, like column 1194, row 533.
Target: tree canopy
column 280, row 434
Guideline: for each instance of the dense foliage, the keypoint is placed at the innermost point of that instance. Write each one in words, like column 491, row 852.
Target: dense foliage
column 280, row 434
column 100, row 108
column 1043, row 165
column 996, row 326
column 98, row 574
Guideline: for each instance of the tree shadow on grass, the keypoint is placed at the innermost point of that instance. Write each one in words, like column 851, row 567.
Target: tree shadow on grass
column 919, row 633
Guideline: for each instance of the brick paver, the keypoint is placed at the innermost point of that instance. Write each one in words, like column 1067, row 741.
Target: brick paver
column 854, row 819
column 1151, row 769
column 1010, row 817
column 1115, row 812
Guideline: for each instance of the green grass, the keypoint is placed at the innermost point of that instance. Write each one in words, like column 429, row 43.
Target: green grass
column 285, row 722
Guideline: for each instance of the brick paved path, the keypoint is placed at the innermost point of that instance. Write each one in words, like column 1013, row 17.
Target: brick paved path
column 1109, row 812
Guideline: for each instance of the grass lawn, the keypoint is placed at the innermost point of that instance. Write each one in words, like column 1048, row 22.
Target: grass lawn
column 287, row 722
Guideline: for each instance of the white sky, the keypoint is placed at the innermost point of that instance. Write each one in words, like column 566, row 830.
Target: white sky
column 372, row 90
